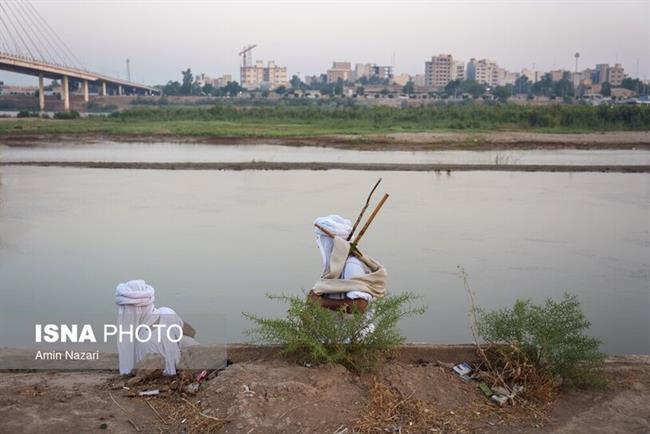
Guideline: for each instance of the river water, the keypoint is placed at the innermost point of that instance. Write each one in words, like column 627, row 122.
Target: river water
column 216, row 242
column 177, row 152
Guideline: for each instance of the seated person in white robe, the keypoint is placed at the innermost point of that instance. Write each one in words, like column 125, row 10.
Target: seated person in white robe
column 135, row 306
column 356, row 281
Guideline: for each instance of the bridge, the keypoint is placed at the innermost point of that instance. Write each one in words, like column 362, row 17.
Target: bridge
column 29, row 45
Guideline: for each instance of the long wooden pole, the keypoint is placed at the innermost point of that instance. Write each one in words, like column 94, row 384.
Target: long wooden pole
column 363, row 210
column 370, row 219
column 353, row 249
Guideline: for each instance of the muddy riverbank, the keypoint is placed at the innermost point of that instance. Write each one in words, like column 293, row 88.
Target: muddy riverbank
column 260, row 392
column 395, row 141
column 319, row 166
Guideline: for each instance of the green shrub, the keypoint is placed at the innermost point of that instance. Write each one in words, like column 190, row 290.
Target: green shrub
column 26, row 114
column 313, row 334
column 550, row 335
column 67, row 115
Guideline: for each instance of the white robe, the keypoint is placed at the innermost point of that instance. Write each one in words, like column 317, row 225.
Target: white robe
column 135, row 307
column 341, row 227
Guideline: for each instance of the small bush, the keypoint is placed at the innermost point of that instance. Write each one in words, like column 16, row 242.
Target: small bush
column 26, row 114
column 67, row 115
column 550, row 335
column 313, row 334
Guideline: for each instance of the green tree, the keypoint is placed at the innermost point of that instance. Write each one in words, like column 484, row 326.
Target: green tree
column 522, row 85
column 188, row 81
column 472, row 87
column 208, row 89
column 606, row 89
column 409, row 88
column 502, row 93
column 296, row 83
column 281, row 90
column 338, row 88
column 232, row 88
column 633, row 84
column 172, row 88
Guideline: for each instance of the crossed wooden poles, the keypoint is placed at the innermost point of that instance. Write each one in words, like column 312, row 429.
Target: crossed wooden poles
column 353, row 245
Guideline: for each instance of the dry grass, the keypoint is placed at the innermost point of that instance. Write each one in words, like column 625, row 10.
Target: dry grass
column 181, row 415
column 388, row 410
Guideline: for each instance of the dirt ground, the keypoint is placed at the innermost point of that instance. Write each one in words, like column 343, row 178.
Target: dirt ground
column 268, row 395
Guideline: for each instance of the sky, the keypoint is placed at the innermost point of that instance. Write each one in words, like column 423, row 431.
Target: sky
column 161, row 38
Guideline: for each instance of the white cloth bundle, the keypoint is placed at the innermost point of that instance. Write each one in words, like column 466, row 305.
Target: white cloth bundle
column 135, row 306
column 341, row 227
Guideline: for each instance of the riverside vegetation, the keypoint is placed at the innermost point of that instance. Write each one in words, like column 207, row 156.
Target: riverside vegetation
column 537, row 346
column 287, row 121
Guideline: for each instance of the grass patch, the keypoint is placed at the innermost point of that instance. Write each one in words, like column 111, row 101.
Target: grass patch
column 288, row 121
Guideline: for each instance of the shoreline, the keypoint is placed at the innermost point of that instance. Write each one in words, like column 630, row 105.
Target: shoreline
column 261, row 392
column 322, row 166
column 422, row 141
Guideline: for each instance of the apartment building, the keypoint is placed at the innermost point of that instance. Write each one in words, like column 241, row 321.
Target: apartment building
column 615, row 75
column 259, row 76
column 442, row 69
column 532, row 75
column 484, row 71
column 340, row 70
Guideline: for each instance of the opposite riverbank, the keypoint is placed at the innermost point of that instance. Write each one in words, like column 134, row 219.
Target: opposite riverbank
column 422, row 141
column 260, row 392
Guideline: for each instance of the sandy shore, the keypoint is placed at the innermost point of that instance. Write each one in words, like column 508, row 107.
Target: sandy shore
column 260, row 393
column 396, row 141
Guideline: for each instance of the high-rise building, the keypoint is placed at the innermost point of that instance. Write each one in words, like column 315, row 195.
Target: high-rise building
column 601, row 73
column 259, row 76
column 439, row 71
column 615, row 75
column 532, row 75
column 339, row 70
column 486, row 72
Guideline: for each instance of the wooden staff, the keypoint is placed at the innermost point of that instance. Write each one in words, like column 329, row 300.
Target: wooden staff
column 363, row 210
column 370, row 219
column 353, row 249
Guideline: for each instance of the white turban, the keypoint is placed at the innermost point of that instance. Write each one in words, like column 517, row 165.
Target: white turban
column 337, row 225
column 135, row 307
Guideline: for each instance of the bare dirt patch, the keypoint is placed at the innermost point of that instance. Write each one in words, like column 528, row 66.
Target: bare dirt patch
column 273, row 396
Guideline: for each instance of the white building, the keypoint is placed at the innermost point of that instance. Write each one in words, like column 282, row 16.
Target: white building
column 442, row 69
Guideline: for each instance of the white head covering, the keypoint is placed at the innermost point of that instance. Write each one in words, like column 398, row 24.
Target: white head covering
column 339, row 226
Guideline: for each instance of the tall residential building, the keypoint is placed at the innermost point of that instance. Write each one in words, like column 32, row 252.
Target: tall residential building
column 370, row 70
column 559, row 74
column 419, row 80
column 615, row 75
column 440, row 70
column 258, row 76
column 505, row 77
column 382, row 72
column 362, row 70
column 339, row 70
column 486, row 72
column 532, row 75
column 601, row 73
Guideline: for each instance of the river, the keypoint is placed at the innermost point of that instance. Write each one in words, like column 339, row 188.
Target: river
column 217, row 241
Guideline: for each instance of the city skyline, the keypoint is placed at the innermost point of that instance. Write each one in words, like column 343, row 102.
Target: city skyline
column 161, row 38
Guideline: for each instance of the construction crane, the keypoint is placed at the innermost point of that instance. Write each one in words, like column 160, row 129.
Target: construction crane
column 247, row 59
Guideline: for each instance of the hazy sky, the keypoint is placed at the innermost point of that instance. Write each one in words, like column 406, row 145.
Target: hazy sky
column 163, row 37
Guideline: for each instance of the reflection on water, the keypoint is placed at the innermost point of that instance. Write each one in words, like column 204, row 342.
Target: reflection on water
column 218, row 241
column 185, row 152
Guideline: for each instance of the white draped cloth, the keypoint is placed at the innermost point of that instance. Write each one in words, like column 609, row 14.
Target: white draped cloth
column 135, row 307
column 340, row 227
